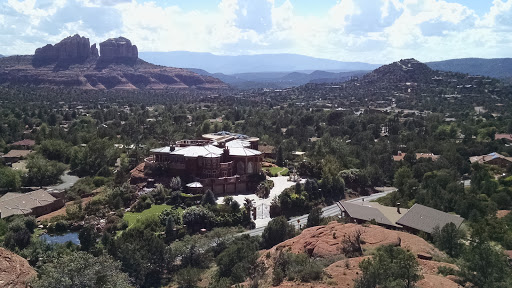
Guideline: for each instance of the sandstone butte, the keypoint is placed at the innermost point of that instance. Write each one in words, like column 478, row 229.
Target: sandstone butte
column 74, row 63
column 15, row 272
column 325, row 242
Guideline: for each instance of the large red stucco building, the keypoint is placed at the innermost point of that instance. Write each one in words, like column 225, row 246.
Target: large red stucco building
column 221, row 162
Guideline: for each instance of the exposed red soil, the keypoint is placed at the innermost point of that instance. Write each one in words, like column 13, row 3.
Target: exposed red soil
column 15, row 272
column 62, row 211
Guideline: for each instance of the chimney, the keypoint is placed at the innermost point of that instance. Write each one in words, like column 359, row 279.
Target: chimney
column 398, row 208
column 399, row 153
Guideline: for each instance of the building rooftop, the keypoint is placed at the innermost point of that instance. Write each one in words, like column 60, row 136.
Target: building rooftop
column 17, row 153
column 503, row 136
column 25, row 142
column 488, row 157
column 194, row 185
column 198, row 151
column 23, row 203
column 365, row 213
column 425, row 219
column 224, row 136
column 242, row 151
column 238, row 144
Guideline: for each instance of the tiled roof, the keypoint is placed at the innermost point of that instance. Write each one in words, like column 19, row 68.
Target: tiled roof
column 503, row 136
column 23, row 203
column 17, row 153
column 25, row 142
column 365, row 213
column 425, row 219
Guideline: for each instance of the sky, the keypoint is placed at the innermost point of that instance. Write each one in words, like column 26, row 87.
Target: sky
column 373, row 31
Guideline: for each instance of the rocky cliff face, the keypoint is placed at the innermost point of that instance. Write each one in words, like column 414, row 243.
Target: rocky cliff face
column 73, row 63
column 118, row 49
column 73, row 49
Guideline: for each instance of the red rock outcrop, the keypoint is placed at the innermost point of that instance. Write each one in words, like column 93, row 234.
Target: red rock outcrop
column 325, row 242
column 73, row 49
column 73, row 63
column 118, row 49
column 15, row 272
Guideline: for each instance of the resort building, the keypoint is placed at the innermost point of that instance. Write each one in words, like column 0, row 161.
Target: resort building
column 222, row 162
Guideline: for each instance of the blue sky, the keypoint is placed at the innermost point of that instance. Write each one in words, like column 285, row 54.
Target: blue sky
column 375, row 31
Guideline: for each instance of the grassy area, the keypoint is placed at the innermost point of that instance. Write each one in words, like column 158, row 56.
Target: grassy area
column 274, row 170
column 132, row 217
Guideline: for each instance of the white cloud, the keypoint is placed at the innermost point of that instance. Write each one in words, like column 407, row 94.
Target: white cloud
column 376, row 31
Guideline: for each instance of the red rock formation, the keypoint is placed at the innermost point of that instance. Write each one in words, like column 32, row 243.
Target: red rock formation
column 118, row 48
column 73, row 49
column 73, row 63
column 94, row 51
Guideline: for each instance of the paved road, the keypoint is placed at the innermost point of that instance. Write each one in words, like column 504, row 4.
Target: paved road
column 332, row 210
column 67, row 182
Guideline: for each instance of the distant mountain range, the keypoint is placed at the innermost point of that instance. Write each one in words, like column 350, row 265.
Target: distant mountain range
column 279, row 80
column 251, row 63
column 496, row 68
column 288, row 70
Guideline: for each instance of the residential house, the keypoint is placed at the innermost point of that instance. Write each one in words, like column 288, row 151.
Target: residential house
column 14, row 156
column 400, row 156
column 222, row 162
column 34, row 203
column 492, row 159
column 426, row 219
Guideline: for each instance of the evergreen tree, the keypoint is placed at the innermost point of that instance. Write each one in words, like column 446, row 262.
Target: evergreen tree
column 279, row 157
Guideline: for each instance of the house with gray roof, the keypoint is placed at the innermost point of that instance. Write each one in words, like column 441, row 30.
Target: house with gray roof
column 34, row 203
column 360, row 214
column 423, row 218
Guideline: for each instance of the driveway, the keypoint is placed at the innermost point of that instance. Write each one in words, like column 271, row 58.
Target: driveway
column 67, row 182
column 263, row 205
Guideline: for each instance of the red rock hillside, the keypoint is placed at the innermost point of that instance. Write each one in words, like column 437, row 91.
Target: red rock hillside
column 74, row 63
column 325, row 242
column 15, row 272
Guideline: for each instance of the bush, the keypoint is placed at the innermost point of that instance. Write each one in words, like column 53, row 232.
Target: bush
column 277, row 231
column 188, row 277
column 197, row 218
column 296, row 267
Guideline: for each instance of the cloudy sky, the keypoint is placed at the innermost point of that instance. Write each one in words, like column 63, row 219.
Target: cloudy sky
column 375, row 31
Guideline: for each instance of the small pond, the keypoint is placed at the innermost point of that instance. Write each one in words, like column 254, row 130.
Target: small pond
column 61, row 239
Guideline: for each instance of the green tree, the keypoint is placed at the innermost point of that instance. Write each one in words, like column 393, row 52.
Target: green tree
column 390, row 267
column 236, row 261
column 208, row 198
column 277, row 231
column 280, row 157
column 10, row 179
column 170, row 230
column 80, row 269
column 448, row 239
column 87, row 237
column 197, row 218
column 188, row 277
column 314, row 217
column 485, row 266
column 142, row 255
column 43, row 172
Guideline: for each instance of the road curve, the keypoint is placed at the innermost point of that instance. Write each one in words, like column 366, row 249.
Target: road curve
column 332, row 210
